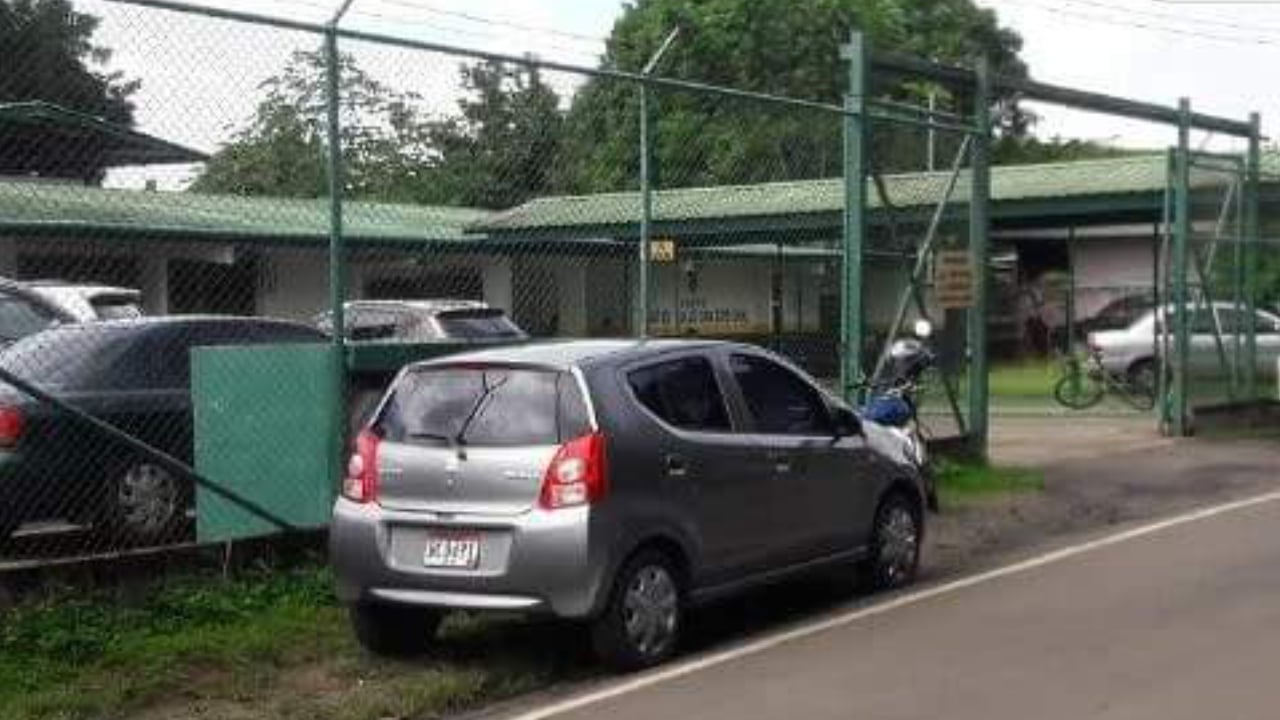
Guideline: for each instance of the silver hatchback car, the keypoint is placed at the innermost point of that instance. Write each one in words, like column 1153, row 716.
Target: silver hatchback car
column 616, row 482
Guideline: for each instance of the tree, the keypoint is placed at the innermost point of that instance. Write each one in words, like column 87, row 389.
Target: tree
column 501, row 149
column 497, row 151
column 282, row 152
column 48, row 54
column 783, row 47
column 1022, row 150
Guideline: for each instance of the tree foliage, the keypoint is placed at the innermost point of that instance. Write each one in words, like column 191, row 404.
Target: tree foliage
column 781, row 47
column 282, row 150
column 494, row 152
column 48, row 53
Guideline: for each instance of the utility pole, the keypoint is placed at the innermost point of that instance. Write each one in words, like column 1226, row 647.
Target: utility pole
column 646, row 187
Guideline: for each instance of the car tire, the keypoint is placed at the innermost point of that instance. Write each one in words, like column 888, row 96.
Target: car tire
column 394, row 630
column 896, row 538
column 147, row 503
column 641, row 624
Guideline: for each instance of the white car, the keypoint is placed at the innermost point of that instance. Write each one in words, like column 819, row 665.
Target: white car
column 1132, row 350
column 88, row 302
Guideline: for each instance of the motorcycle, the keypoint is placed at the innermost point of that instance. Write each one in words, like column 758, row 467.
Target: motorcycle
column 893, row 395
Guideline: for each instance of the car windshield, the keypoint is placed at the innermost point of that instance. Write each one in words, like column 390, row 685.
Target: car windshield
column 116, row 308
column 1121, row 313
column 477, row 323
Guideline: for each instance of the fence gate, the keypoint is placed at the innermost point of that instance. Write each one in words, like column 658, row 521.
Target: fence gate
column 1217, row 334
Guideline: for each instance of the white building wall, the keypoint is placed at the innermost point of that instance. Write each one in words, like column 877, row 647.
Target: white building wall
column 294, row 283
column 1108, row 268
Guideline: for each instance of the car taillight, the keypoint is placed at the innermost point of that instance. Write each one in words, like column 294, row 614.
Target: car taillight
column 576, row 475
column 12, row 424
column 361, row 484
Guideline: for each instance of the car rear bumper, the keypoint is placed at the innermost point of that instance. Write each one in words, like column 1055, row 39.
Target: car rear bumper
column 538, row 561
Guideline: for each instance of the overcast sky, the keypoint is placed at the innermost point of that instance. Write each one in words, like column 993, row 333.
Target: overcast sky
column 200, row 77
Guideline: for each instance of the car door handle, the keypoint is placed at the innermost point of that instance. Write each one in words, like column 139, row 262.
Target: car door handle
column 675, row 466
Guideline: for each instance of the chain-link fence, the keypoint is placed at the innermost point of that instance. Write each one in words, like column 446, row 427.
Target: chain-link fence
column 481, row 199
column 272, row 184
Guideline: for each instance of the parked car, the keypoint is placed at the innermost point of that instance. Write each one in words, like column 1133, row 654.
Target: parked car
column 423, row 321
column 88, row 302
column 412, row 321
column 615, row 482
column 135, row 375
column 1132, row 348
column 29, row 307
column 24, row 312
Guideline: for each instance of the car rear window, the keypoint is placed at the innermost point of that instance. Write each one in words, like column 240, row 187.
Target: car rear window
column 484, row 406
column 477, row 323
column 72, row 358
column 116, row 308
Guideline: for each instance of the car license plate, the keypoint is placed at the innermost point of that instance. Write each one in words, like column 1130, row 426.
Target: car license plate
column 452, row 551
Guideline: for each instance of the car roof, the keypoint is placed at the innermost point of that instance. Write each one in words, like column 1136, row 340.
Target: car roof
column 432, row 306
column 144, row 324
column 578, row 353
column 85, row 288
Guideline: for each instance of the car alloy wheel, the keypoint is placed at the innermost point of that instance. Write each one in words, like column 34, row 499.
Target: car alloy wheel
column 897, row 544
column 651, row 611
column 147, row 499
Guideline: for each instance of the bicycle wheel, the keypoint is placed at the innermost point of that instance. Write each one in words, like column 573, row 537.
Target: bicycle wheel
column 1141, row 391
column 1079, row 392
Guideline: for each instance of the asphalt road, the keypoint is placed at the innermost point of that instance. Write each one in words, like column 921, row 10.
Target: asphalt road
column 1179, row 623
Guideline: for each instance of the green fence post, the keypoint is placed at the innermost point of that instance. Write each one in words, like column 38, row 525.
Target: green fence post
column 337, row 243
column 979, row 253
column 1252, row 238
column 855, row 218
column 1181, row 241
column 646, row 218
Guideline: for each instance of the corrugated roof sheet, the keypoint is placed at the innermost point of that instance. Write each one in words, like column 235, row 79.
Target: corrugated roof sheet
column 1120, row 176
column 86, row 210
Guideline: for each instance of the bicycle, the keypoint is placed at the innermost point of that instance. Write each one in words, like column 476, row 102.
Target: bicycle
column 1085, row 382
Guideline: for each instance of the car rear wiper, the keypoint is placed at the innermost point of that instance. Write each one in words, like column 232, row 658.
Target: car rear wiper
column 481, row 402
column 432, row 436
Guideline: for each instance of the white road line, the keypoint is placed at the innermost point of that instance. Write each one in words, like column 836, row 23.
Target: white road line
column 678, row 670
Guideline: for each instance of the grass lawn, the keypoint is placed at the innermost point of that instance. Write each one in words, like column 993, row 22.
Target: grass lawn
column 964, row 482
column 267, row 645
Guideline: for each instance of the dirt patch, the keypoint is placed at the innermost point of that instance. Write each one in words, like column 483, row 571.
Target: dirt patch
column 1086, row 495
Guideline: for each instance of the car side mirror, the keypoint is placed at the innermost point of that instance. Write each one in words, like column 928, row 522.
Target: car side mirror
column 847, row 423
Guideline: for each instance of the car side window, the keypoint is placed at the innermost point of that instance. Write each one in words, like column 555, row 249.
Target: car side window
column 780, row 402
column 683, row 393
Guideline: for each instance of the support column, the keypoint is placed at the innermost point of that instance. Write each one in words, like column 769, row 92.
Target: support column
column 1252, row 239
column 979, row 253
column 855, row 220
column 1179, row 297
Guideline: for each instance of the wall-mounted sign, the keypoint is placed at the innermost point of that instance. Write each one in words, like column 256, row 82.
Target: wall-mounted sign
column 953, row 279
column 662, row 250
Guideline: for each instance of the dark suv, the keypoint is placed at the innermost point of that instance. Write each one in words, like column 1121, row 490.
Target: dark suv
column 135, row 375
column 614, row 482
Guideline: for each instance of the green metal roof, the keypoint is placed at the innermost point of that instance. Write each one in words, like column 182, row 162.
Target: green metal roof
column 40, row 207
column 119, row 145
column 1118, row 181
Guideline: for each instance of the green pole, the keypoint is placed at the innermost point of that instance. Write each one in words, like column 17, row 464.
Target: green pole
column 979, row 252
column 646, row 218
column 337, row 247
column 855, row 218
column 1252, row 239
column 1070, row 348
column 1181, row 240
